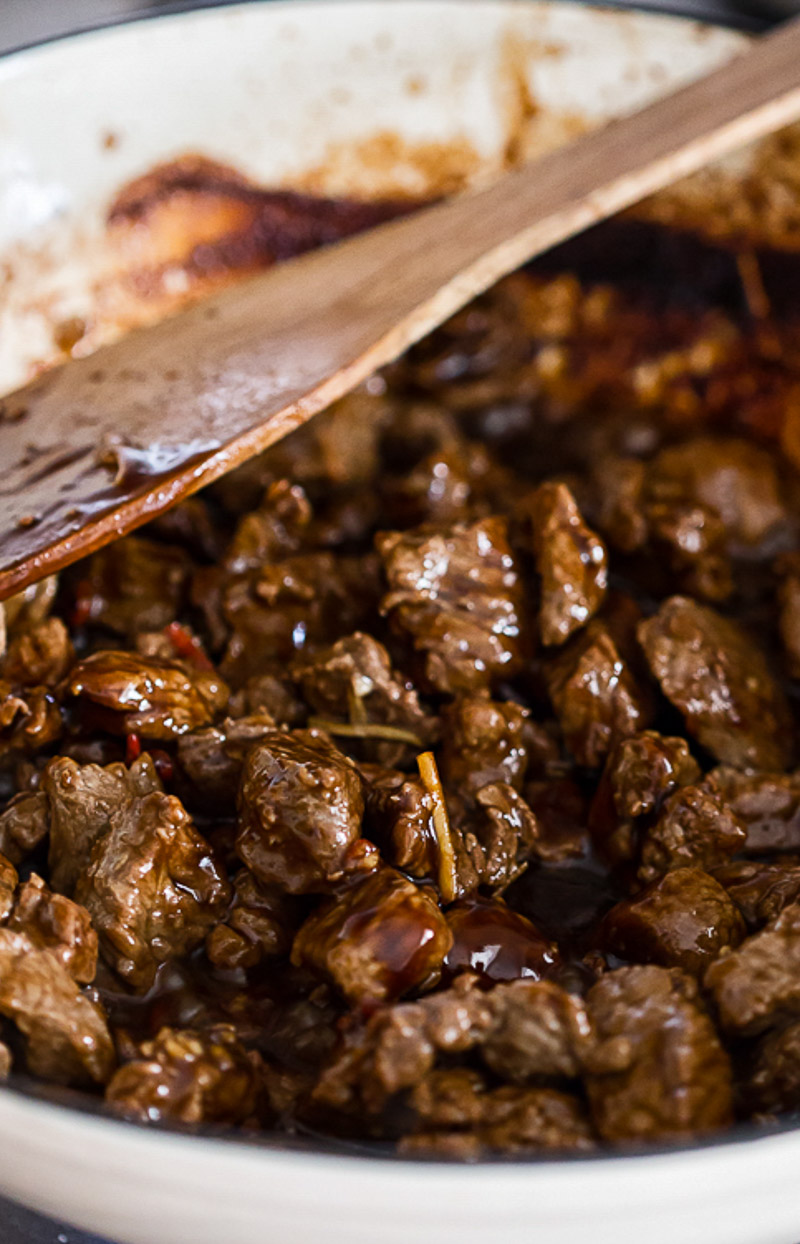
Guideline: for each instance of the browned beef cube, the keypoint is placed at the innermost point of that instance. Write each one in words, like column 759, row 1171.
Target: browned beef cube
column 274, row 530
column 269, row 695
column 457, row 594
column 67, row 1038
column 759, row 983
column 158, row 699
column 39, row 657
column 497, row 943
column 30, row 719
column 761, row 889
column 640, row 773
column 483, row 741
column 301, row 806
column 506, row 833
column 683, row 920
column 619, row 500
column 571, row 560
column 353, row 683
column 81, row 801
column 190, row 1076
column 714, row 673
column 695, row 829
column 152, row 888
column 261, row 924
column 559, row 807
column 381, row 938
column 8, row 886
column 398, row 817
column 23, row 825
column 55, row 923
column 212, row 760
column 767, row 804
column 773, row 1079
column 658, row 1068
column 595, row 695
column 134, row 585
column 538, row 1029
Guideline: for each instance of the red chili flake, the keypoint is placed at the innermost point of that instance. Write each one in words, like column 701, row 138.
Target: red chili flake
column 187, row 646
column 133, row 748
column 84, row 603
column 163, row 764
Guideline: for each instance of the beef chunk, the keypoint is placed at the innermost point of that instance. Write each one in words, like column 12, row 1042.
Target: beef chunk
column 761, row 889
column 594, row 694
column 158, row 699
column 760, row 982
column 134, row 585
column 484, row 741
column 503, row 1120
column 457, row 594
column 506, row 833
column 67, row 1038
column 275, row 529
column 8, row 886
column 767, row 804
column 695, row 829
column 40, row 656
column 640, row 773
column 189, row 1076
column 152, row 888
column 399, row 819
column 497, row 943
column 657, row 1068
column 30, row 719
column 269, row 694
column 81, row 801
column 353, row 683
column 261, row 924
column 559, row 807
column 23, row 825
column 683, row 920
column 538, row 1030
column 301, row 806
column 55, row 923
column 381, row 938
column 571, row 560
column 713, row 672
column 773, row 1079
column 212, row 760
column 619, row 501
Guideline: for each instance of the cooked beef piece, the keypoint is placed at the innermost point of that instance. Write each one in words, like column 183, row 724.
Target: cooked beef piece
column 538, row 1030
column 381, row 938
column 657, row 1068
column 272, row 695
column 767, row 804
column 301, row 805
column 714, row 673
column 455, row 482
column 40, row 656
column 212, row 760
column 353, row 685
column 23, row 825
column 682, row 920
column 81, row 800
column 571, row 560
column 640, row 773
column 67, row 1038
column 8, row 886
column 497, row 943
column 561, row 815
column 483, row 741
column 282, row 608
column 457, row 594
column 761, row 889
column 188, row 1075
column 695, row 829
column 506, row 832
column 261, row 924
column 30, row 719
column 618, row 500
column 55, row 923
column 398, row 817
column 157, row 699
column 596, row 698
column 133, row 585
column 788, row 569
column 152, row 887
column 274, row 530
column 758, row 984
column 502, row 1120
column 772, row 1082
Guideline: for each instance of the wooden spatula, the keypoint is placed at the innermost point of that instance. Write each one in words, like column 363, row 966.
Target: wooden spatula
column 96, row 447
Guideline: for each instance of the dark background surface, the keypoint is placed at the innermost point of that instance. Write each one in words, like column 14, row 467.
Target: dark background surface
column 29, row 21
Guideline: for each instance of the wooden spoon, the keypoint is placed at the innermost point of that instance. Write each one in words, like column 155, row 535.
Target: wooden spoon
column 92, row 449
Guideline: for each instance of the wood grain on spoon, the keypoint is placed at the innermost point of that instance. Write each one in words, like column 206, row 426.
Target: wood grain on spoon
column 96, row 447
